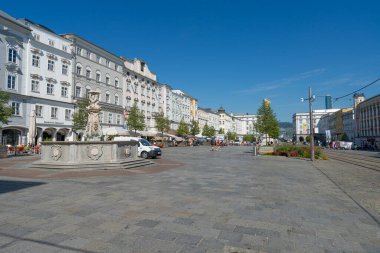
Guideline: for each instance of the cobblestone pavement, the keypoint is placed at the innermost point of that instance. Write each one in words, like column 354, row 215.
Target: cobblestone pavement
column 216, row 201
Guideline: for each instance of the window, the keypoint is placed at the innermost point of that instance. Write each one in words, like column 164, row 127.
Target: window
column 107, row 63
column 65, row 68
column 50, row 65
column 67, row 114
column 118, row 119
column 51, row 43
column 12, row 54
column 36, row 36
column 54, row 112
column 88, row 92
column 79, row 51
column 116, row 100
column 35, row 86
column 16, row 108
column 101, row 117
column 107, row 80
column 64, row 48
column 11, row 82
column 142, row 66
column 38, row 110
column 107, row 98
column 98, row 59
column 116, row 67
column 78, row 91
column 35, row 60
column 88, row 73
column 79, row 70
column 64, row 91
column 98, row 77
column 50, row 89
column 110, row 118
column 88, row 54
column 117, row 83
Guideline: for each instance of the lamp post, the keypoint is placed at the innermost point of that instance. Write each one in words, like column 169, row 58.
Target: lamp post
column 311, row 99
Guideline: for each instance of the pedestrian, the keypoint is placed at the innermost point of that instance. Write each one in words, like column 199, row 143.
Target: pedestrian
column 213, row 144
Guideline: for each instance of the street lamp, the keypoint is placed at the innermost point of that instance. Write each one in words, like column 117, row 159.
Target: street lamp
column 311, row 99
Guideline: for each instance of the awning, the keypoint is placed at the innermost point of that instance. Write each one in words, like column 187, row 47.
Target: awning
column 110, row 131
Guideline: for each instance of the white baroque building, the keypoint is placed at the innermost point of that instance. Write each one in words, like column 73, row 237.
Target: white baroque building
column 301, row 122
column 141, row 88
column 14, row 37
column 181, row 103
column 49, row 83
column 247, row 122
column 209, row 117
column 225, row 121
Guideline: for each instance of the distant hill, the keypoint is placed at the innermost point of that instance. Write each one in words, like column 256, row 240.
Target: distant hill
column 285, row 125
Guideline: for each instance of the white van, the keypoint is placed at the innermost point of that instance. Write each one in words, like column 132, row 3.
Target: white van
column 145, row 149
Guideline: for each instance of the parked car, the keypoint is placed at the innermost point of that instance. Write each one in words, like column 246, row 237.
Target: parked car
column 144, row 149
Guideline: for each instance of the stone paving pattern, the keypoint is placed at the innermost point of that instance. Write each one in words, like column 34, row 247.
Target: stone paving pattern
column 210, row 201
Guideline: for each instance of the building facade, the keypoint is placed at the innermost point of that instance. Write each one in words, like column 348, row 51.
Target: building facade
column 96, row 69
column 301, row 123
column 367, row 118
column 14, row 36
column 225, row 121
column 141, row 88
column 49, row 83
column 248, row 123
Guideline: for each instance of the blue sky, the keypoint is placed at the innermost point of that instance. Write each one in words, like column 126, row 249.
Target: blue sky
column 233, row 53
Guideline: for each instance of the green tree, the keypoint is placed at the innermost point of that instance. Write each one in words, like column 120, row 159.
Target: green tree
column 249, row 138
column 231, row 136
column 266, row 121
column 183, row 128
column 206, row 130
column 5, row 110
column 194, row 128
column 80, row 115
column 136, row 119
column 221, row 131
column 212, row 131
column 162, row 123
column 308, row 138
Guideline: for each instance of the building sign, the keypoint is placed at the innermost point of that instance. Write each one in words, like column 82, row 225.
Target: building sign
column 53, row 122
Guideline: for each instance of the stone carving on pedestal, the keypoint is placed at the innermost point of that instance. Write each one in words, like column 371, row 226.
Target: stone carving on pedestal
column 128, row 152
column 56, row 152
column 94, row 152
column 93, row 124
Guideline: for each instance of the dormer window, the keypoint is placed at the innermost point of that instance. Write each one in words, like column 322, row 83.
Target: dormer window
column 142, row 65
column 51, row 43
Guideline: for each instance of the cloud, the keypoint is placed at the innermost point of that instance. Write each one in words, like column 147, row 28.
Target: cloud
column 267, row 86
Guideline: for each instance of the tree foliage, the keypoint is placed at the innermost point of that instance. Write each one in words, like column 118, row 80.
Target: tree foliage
column 194, row 130
column 162, row 123
column 266, row 121
column 136, row 119
column 231, row 135
column 80, row 115
column 5, row 110
column 249, row 138
column 221, row 131
column 183, row 128
column 208, row 131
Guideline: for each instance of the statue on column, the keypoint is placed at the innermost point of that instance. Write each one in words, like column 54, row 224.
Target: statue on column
column 93, row 128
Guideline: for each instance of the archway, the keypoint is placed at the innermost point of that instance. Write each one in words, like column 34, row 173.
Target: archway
column 11, row 137
column 48, row 134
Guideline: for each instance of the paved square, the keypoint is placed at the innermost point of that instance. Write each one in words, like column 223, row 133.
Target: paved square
column 212, row 201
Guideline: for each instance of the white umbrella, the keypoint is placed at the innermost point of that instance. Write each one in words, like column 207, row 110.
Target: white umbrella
column 32, row 128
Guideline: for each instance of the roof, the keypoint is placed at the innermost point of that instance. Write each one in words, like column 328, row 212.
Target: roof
column 13, row 20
